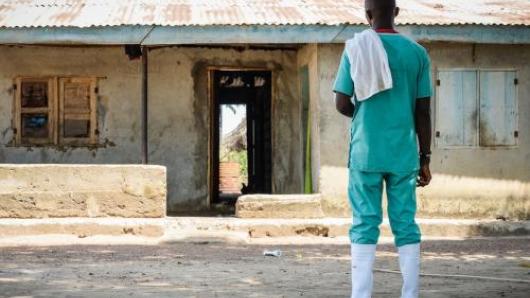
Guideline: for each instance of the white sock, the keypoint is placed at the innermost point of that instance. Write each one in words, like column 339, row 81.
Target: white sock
column 409, row 263
column 362, row 261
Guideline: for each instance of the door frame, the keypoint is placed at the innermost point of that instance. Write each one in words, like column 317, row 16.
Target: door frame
column 211, row 119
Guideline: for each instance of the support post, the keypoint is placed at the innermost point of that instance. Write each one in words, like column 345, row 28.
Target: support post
column 144, row 106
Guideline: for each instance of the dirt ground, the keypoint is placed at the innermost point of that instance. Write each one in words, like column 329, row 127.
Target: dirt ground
column 216, row 269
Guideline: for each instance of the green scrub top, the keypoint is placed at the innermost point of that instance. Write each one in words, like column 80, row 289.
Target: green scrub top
column 383, row 134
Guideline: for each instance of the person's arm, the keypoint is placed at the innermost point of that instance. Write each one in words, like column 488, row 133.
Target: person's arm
column 422, row 119
column 343, row 88
column 343, row 104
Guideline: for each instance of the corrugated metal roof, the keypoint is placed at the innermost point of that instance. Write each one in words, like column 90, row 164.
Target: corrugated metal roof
column 88, row 13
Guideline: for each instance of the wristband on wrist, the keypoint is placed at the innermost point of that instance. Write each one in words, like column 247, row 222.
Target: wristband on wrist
column 425, row 157
column 426, row 154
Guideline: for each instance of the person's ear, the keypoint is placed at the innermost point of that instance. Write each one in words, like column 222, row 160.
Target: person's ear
column 369, row 17
column 396, row 11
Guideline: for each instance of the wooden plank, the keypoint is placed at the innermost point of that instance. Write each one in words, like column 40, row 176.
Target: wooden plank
column 498, row 108
column 67, row 111
column 470, row 108
column 60, row 125
column 51, row 106
column 77, row 117
column 16, row 111
column 77, row 95
column 55, row 112
column 76, row 141
column 34, row 141
column 35, row 110
column 93, row 112
column 456, row 109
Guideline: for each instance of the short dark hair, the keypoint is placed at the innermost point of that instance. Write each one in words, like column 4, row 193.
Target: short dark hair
column 380, row 9
column 379, row 4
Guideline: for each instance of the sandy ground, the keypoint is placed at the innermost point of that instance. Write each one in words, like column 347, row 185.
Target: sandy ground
column 217, row 269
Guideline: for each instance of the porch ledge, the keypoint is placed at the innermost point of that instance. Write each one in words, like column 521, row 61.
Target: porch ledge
column 73, row 190
column 279, row 206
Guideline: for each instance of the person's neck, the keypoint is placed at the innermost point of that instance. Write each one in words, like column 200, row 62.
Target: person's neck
column 383, row 25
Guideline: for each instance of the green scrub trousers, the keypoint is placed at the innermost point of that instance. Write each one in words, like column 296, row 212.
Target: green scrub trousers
column 365, row 191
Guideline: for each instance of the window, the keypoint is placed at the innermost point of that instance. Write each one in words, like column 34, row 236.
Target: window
column 56, row 110
column 498, row 109
column 476, row 108
column 34, row 111
column 77, row 111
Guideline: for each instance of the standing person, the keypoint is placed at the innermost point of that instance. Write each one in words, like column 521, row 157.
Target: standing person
column 384, row 84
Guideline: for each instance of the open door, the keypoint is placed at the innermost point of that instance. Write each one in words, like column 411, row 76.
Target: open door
column 241, row 132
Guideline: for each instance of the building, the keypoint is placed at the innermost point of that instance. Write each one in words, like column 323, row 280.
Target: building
column 71, row 94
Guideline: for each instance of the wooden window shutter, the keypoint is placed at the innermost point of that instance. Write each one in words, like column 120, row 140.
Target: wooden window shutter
column 77, row 111
column 498, row 108
column 456, row 109
column 34, row 116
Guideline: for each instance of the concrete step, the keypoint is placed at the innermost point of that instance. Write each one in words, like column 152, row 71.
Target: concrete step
column 336, row 227
column 82, row 227
column 279, row 206
column 81, row 230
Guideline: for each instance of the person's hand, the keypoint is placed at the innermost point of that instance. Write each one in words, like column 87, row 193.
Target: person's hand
column 424, row 176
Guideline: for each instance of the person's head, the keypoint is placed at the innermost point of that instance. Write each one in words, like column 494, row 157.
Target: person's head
column 381, row 11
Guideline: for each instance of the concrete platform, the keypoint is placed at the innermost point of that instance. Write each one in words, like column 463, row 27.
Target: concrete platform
column 447, row 196
column 279, row 206
column 438, row 201
column 75, row 190
column 181, row 229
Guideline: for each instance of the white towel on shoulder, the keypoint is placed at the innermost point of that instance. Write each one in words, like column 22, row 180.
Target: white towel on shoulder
column 370, row 71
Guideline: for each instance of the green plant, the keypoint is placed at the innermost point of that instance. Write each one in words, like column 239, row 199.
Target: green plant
column 240, row 157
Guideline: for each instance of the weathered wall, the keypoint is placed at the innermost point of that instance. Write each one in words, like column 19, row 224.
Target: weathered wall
column 334, row 135
column 307, row 56
column 178, row 111
column 35, row 191
column 503, row 173
column 118, row 101
column 500, row 163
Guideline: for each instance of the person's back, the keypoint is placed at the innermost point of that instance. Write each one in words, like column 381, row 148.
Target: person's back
column 391, row 113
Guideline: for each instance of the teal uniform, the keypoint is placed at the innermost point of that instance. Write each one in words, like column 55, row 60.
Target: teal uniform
column 383, row 143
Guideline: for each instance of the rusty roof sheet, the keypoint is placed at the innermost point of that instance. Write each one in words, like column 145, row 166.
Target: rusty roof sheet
column 88, row 13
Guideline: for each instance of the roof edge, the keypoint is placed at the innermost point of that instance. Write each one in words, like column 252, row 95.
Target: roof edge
column 167, row 35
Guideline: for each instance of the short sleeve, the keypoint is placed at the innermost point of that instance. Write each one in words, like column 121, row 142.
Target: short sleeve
column 343, row 81
column 424, row 77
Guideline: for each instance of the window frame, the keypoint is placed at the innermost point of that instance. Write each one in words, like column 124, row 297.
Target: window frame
column 91, row 116
column 477, row 99
column 49, row 110
column 54, row 110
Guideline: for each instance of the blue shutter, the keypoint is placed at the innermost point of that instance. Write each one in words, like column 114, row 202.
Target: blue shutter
column 498, row 108
column 456, row 109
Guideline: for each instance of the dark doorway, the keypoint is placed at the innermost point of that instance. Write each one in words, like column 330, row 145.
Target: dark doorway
column 241, row 134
